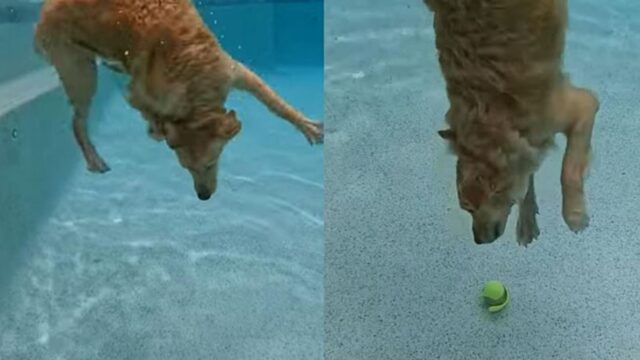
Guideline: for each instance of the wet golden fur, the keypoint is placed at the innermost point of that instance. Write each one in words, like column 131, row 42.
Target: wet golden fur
column 179, row 76
column 508, row 95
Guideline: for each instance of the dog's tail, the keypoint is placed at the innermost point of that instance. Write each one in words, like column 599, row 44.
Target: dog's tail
column 247, row 80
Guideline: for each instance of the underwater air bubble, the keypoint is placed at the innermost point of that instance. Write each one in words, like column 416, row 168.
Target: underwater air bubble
column 14, row 134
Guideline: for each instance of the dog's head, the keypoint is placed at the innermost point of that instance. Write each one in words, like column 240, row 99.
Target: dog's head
column 198, row 145
column 488, row 186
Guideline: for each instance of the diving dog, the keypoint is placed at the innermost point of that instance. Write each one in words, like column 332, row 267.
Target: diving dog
column 508, row 96
column 179, row 76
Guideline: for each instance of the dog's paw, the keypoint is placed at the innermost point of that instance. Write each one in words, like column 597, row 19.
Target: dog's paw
column 98, row 166
column 576, row 220
column 527, row 229
column 313, row 131
column 574, row 209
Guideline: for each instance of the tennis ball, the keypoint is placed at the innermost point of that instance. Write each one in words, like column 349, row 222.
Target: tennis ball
column 495, row 294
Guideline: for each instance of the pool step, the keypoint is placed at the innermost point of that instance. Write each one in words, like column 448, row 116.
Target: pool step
column 17, row 92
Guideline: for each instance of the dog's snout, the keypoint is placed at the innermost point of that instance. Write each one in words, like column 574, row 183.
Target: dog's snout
column 497, row 231
column 477, row 239
column 487, row 235
column 202, row 195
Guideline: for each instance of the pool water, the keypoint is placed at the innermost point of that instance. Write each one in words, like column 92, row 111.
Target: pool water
column 401, row 265
column 131, row 265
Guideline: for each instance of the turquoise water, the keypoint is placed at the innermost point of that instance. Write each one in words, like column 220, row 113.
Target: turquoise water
column 131, row 265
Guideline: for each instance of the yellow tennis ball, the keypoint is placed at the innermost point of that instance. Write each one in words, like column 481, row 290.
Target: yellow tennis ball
column 495, row 294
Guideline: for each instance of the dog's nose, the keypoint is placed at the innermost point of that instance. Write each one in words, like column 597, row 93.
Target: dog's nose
column 477, row 239
column 204, row 196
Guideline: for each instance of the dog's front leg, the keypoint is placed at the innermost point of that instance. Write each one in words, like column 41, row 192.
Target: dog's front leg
column 527, row 227
column 578, row 111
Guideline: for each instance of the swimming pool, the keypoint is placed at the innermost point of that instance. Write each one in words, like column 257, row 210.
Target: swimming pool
column 130, row 264
column 405, row 274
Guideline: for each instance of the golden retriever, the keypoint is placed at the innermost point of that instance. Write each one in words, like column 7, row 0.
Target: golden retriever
column 508, row 96
column 179, row 76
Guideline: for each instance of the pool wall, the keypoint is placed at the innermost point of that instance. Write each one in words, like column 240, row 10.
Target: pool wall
column 279, row 41
column 37, row 156
column 234, row 21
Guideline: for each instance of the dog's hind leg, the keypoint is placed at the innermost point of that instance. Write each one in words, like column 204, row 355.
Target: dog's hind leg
column 247, row 80
column 527, row 227
column 76, row 68
column 575, row 110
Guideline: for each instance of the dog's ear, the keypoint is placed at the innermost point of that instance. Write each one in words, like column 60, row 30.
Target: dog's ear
column 447, row 134
column 229, row 125
column 172, row 135
column 156, row 130
column 216, row 125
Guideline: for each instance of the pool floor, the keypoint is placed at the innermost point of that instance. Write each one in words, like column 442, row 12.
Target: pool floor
column 133, row 266
column 403, row 275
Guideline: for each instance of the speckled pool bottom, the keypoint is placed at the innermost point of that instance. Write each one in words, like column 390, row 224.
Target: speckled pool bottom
column 403, row 276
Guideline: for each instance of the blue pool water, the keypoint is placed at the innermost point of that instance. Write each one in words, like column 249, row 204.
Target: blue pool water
column 403, row 276
column 131, row 265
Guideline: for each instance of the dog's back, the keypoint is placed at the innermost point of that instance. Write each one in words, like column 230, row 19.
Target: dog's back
column 113, row 28
column 503, row 52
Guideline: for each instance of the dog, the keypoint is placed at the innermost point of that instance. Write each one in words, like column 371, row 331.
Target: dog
column 180, row 76
column 508, row 96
